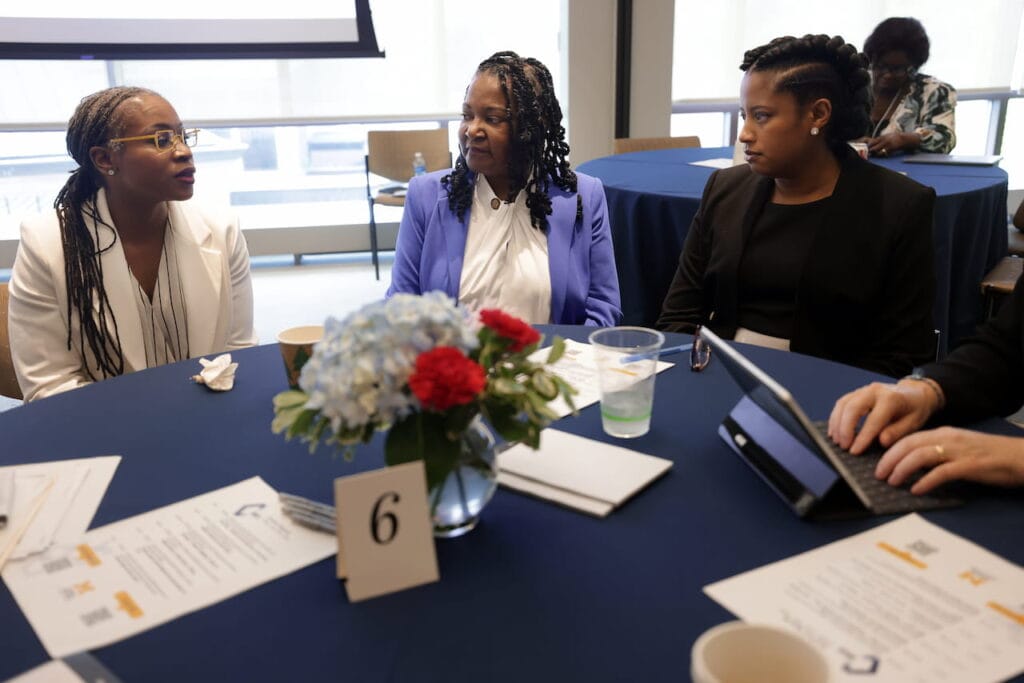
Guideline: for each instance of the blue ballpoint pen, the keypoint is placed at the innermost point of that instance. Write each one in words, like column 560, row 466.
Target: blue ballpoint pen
column 667, row 351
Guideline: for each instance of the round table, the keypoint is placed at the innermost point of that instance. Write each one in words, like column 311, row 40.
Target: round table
column 653, row 197
column 535, row 592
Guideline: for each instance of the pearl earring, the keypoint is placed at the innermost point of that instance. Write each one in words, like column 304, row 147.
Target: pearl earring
column 110, row 171
column 814, row 131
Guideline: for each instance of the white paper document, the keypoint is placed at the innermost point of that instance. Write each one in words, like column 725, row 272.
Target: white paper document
column 588, row 475
column 124, row 578
column 54, row 671
column 54, row 502
column 578, row 367
column 905, row 602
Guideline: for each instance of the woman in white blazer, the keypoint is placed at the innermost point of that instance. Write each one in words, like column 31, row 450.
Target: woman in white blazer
column 125, row 274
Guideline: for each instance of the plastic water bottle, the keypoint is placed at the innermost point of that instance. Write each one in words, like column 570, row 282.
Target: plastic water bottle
column 419, row 164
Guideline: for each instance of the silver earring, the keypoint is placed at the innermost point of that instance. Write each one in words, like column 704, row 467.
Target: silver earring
column 110, row 171
column 814, row 131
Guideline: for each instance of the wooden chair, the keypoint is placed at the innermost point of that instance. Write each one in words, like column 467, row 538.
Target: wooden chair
column 1000, row 281
column 623, row 145
column 1015, row 241
column 8, row 380
column 389, row 154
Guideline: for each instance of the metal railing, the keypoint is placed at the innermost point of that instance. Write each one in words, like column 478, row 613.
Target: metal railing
column 996, row 128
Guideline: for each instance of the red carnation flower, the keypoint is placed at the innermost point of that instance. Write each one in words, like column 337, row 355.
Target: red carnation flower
column 444, row 377
column 515, row 330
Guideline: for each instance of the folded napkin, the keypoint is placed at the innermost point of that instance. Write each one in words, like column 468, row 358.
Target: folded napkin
column 591, row 476
column 217, row 374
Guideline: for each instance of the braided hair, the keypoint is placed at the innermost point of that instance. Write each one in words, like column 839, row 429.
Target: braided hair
column 820, row 66
column 96, row 120
column 539, row 152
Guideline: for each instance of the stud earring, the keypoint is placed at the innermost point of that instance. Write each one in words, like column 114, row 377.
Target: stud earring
column 110, row 171
column 814, row 131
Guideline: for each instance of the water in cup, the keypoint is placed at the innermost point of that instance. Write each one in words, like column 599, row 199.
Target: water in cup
column 627, row 362
column 627, row 412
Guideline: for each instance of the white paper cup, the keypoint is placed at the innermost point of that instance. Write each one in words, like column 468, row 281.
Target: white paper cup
column 627, row 362
column 296, row 348
column 861, row 148
column 736, row 652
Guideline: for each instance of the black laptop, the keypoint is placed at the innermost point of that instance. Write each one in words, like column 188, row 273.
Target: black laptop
column 794, row 455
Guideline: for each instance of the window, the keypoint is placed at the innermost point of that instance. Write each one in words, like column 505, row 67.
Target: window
column 710, row 38
column 283, row 140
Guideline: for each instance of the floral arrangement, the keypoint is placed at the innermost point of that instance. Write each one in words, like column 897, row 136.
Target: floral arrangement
column 422, row 368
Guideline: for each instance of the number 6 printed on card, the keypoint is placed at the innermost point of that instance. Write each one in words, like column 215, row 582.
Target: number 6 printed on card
column 385, row 537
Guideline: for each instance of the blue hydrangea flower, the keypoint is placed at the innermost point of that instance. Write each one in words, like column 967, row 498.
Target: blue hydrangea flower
column 358, row 374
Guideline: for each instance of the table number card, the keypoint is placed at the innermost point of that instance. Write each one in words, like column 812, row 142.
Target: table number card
column 385, row 539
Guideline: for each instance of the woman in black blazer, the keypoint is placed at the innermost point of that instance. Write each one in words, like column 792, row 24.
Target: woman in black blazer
column 807, row 246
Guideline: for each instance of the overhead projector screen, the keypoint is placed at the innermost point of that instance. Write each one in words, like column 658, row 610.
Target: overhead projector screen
column 186, row 29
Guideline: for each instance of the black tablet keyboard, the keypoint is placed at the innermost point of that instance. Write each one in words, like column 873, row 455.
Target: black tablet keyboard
column 885, row 499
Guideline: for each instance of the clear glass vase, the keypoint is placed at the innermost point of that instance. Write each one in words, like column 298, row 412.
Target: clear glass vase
column 457, row 502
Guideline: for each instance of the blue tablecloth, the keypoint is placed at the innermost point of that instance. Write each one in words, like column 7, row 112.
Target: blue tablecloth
column 653, row 197
column 535, row 592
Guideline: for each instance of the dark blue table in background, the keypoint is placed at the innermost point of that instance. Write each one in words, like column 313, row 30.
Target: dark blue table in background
column 535, row 593
column 653, row 197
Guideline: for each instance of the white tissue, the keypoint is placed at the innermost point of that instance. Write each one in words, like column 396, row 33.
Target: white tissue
column 217, row 374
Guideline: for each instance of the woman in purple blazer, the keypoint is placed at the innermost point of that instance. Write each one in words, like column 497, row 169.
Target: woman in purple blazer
column 511, row 226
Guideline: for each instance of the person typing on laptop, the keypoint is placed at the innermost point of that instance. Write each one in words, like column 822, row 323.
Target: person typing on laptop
column 981, row 378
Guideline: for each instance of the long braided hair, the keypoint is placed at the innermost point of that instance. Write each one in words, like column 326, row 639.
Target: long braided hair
column 539, row 152
column 95, row 121
column 817, row 66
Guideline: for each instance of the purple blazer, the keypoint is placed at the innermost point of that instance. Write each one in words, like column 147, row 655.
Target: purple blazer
column 584, row 283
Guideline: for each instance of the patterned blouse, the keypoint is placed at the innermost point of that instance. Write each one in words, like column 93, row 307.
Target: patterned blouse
column 926, row 109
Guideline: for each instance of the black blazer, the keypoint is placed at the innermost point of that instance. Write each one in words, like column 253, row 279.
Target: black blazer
column 984, row 376
column 866, row 290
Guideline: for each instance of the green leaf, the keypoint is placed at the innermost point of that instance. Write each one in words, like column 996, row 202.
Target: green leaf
column 508, row 387
column 567, row 391
column 505, row 420
column 302, row 423
column 290, row 399
column 318, row 430
column 284, row 418
column 532, row 438
column 458, row 418
column 544, row 385
column 557, row 350
column 422, row 436
column 541, row 409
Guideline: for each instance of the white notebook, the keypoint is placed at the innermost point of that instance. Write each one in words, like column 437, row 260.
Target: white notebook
column 588, row 475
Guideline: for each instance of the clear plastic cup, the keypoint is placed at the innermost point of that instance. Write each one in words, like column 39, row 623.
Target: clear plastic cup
column 627, row 360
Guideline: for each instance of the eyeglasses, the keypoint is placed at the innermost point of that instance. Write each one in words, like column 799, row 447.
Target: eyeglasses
column 905, row 70
column 165, row 140
column 700, row 353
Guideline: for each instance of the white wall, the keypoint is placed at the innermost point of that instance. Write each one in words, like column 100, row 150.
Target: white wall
column 588, row 60
column 651, row 73
column 588, row 89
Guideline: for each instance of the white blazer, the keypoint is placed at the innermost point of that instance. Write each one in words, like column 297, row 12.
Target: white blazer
column 214, row 272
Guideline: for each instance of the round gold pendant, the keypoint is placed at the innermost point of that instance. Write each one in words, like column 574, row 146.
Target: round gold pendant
column 495, row 203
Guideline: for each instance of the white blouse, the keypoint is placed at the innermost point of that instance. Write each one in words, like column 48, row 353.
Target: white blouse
column 165, row 318
column 505, row 264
